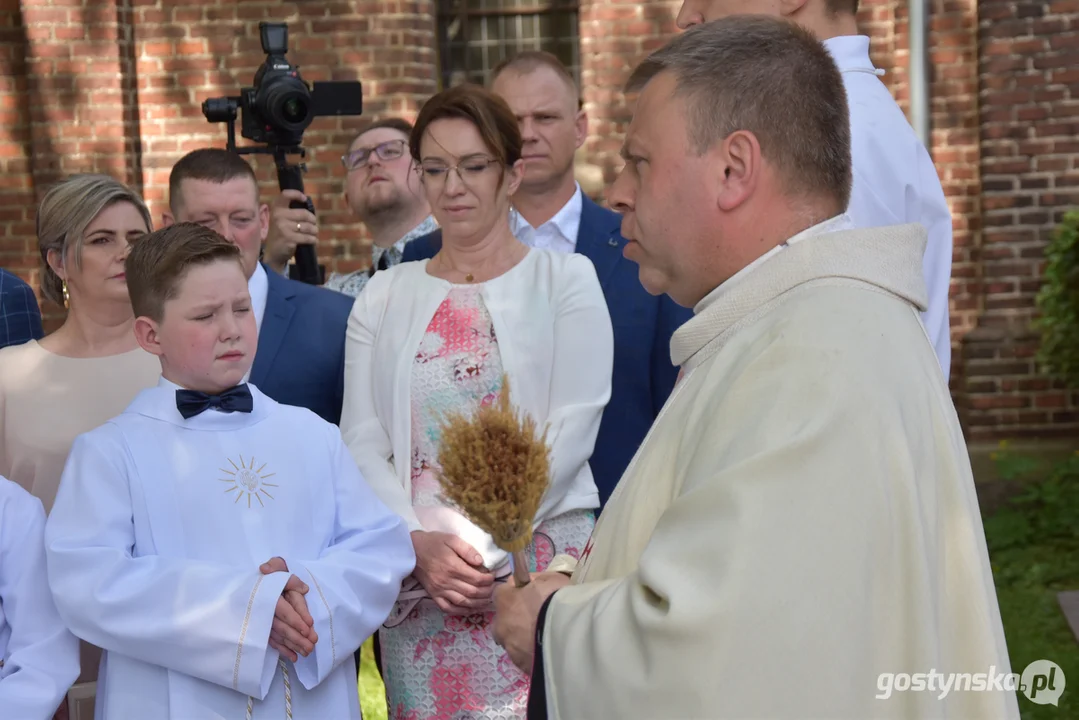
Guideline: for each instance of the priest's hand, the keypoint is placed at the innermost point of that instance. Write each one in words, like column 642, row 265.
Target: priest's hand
column 452, row 572
column 293, row 630
column 516, row 612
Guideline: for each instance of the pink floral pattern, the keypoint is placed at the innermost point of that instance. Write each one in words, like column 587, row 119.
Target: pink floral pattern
column 447, row 667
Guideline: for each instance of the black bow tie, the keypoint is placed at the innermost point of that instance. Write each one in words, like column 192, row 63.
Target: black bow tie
column 192, row 402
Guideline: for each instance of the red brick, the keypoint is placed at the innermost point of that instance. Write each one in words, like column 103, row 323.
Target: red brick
column 1053, row 400
column 1003, row 115
column 191, row 47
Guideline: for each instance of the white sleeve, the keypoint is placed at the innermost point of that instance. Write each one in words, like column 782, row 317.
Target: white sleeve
column 891, row 192
column 366, row 437
column 580, row 378
column 355, row 582
column 202, row 619
column 937, row 265
column 42, row 658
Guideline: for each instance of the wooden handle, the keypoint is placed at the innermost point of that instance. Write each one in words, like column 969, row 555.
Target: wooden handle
column 521, row 576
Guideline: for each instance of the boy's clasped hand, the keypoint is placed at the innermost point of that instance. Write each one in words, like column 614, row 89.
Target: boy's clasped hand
column 293, row 631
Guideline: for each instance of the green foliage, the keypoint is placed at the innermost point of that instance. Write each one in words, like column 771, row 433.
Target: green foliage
column 1034, row 550
column 1046, row 510
column 1058, row 303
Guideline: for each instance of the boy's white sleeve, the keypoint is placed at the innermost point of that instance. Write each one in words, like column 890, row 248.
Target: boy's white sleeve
column 355, row 582
column 206, row 620
column 41, row 659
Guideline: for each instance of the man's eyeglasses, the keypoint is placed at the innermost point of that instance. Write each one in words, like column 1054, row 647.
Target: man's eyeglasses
column 433, row 171
column 389, row 150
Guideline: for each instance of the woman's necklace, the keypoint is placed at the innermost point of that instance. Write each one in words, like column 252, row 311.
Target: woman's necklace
column 497, row 262
column 468, row 276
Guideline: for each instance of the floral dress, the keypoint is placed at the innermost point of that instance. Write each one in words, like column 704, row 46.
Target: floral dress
column 447, row 667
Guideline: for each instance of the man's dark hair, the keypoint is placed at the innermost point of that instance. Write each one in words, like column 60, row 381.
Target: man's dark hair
column 210, row 164
column 769, row 77
column 393, row 123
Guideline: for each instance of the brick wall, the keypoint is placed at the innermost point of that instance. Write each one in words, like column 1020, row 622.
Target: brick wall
column 17, row 244
column 1029, row 127
column 953, row 88
column 117, row 87
column 615, row 34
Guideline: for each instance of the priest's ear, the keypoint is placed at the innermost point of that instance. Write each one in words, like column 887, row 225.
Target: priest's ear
column 738, row 160
column 146, row 333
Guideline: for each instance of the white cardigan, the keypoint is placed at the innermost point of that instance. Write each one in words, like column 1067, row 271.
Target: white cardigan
column 557, row 346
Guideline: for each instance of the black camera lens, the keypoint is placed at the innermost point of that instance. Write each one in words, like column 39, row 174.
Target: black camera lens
column 294, row 110
column 219, row 109
column 285, row 105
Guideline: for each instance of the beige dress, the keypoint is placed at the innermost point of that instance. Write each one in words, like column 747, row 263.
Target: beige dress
column 46, row 401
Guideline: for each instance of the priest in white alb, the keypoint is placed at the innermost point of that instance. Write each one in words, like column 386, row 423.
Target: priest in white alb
column 894, row 179
column 39, row 657
column 801, row 520
column 223, row 549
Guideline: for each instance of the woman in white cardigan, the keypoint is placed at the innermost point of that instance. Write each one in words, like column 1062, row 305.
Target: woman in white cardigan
column 429, row 337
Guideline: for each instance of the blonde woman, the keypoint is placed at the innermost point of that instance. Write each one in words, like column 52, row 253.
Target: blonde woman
column 90, row 369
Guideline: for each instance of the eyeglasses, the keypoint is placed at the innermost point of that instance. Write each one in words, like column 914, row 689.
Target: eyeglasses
column 389, row 150
column 435, row 172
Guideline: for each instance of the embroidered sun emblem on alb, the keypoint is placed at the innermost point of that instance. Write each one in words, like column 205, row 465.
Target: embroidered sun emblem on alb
column 246, row 479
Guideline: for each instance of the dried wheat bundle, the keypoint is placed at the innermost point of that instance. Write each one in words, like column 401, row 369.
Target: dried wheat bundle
column 495, row 469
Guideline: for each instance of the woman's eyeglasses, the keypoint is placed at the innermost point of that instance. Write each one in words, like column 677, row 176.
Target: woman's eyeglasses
column 433, row 171
column 389, row 150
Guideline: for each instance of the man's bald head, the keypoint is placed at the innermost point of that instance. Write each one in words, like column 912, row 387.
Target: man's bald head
column 529, row 61
column 543, row 96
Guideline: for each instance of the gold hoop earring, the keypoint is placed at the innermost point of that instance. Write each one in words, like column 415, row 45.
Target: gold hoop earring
column 67, row 298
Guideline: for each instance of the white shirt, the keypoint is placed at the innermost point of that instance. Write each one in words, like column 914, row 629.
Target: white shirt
column 39, row 658
column 258, row 285
column 177, row 515
column 895, row 181
column 559, row 233
column 557, row 346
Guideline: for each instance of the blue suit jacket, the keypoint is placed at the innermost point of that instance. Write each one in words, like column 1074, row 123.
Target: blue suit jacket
column 643, row 325
column 300, row 358
column 20, row 317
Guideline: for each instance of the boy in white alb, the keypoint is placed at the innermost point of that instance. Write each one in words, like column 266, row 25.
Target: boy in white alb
column 223, row 549
column 39, row 658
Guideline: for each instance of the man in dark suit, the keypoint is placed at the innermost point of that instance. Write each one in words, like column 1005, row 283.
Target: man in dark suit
column 300, row 358
column 550, row 211
column 20, row 317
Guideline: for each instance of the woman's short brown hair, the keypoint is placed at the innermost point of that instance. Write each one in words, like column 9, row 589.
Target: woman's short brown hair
column 64, row 214
column 490, row 114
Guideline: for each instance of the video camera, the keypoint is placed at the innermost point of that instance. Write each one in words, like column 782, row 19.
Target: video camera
column 275, row 113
